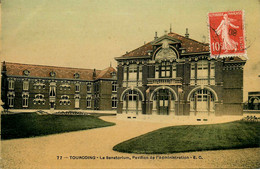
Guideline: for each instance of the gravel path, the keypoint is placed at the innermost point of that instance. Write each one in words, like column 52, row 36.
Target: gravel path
column 42, row 152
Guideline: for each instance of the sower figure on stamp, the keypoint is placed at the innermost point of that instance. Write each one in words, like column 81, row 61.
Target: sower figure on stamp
column 223, row 29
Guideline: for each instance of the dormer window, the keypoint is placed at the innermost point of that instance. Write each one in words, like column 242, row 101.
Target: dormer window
column 52, row 74
column 26, row 72
column 76, row 75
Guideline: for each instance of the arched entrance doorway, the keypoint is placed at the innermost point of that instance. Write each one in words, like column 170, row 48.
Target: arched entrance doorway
column 163, row 102
column 132, row 102
column 202, row 102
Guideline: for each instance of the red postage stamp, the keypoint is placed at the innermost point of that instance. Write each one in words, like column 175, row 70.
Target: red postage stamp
column 227, row 34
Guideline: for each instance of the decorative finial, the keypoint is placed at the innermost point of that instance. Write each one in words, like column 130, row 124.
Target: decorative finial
column 110, row 64
column 165, row 32
column 155, row 37
column 170, row 28
column 187, row 33
column 203, row 38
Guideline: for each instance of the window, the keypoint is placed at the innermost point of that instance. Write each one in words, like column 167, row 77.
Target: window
column 39, row 99
column 125, row 73
column 114, row 87
column 89, row 87
column 11, row 84
column 156, row 72
column 140, row 73
column 65, row 85
column 114, row 102
column 89, row 102
column 25, row 101
column 26, row 85
column 64, row 100
column 39, row 84
column 77, row 88
column 174, row 71
column 212, row 69
column 192, row 74
column 202, row 69
column 165, row 71
column 10, row 96
column 52, row 91
column 133, row 72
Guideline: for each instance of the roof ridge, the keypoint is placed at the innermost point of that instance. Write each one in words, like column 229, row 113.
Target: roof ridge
column 51, row 66
column 188, row 38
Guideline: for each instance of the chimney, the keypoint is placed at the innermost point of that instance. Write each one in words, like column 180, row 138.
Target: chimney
column 94, row 74
column 155, row 37
column 4, row 67
column 187, row 33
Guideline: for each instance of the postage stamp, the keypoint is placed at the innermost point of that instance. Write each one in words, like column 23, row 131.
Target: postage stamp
column 227, row 34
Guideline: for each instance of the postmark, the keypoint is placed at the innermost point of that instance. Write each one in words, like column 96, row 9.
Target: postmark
column 227, row 34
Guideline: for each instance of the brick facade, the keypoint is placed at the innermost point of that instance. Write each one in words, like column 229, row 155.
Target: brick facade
column 180, row 79
column 72, row 87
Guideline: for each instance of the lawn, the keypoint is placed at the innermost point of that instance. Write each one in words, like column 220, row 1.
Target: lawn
column 176, row 139
column 31, row 124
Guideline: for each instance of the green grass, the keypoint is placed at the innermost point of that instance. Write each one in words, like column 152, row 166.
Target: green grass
column 176, row 139
column 26, row 125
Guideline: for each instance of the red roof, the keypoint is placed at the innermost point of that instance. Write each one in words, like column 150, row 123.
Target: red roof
column 191, row 46
column 16, row 69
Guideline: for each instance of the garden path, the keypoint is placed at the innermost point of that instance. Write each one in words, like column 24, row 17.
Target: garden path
column 42, row 152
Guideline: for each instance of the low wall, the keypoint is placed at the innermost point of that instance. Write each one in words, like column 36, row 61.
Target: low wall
column 14, row 111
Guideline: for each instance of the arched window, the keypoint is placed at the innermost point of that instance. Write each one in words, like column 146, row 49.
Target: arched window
column 202, row 101
column 25, row 97
column 132, row 103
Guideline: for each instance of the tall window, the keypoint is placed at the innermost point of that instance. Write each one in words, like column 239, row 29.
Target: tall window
column 125, row 73
column 89, row 87
column 114, row 102
column 133, row 72
column 212, row 69
column 114, row 87
column 132, row 102
column 202, row 100
column 192, row 73
column 202, row 69
column 77, row 88
column 157, row 72
column 52, row 91
column 96, row 87
column 25, row 85
column 11, row 84
column 10, row 96
column 25, row 99
column 89, row 102
column 140, row 73
column 174, row 71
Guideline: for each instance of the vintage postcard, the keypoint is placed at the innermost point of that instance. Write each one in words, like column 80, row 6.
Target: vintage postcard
column 130, row 84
